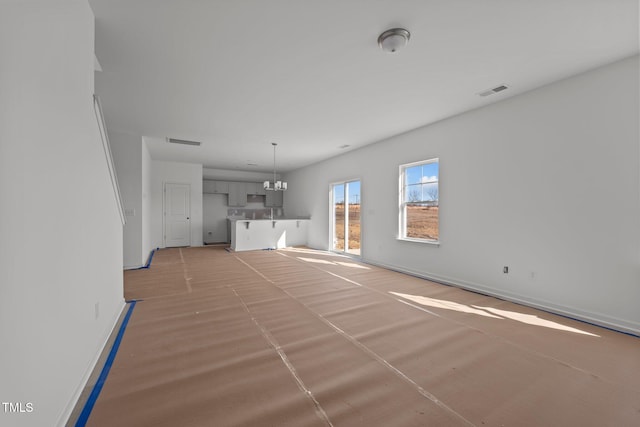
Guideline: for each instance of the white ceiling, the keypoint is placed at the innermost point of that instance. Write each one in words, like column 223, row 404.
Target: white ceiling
column 308, row 74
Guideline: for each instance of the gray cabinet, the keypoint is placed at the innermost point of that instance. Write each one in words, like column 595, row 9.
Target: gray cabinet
column 237, row 194
column 215, row 187
column 273, row 199
column 208, row 187
column 255, row 188
column 222, row 187
column 250, row 187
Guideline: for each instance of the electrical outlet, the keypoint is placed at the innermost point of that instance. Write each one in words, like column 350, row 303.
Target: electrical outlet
column 97, row 310
column 505, row 269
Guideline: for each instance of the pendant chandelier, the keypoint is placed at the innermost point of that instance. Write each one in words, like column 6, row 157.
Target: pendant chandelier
column 275, row 185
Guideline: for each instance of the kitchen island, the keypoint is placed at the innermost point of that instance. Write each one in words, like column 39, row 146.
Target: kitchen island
column 257, row 234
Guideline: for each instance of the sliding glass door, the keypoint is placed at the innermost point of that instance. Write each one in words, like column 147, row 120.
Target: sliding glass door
column 345, row 218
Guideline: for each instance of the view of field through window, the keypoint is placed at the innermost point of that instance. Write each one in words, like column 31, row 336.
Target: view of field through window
column 354, row 226
column 420, row 200
column 347, row 235
column 422, row 222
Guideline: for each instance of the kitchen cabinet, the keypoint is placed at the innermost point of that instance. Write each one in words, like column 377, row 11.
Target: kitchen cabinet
column 273, row 199
column 256, row 188
column 215, row 187
column 208, row 187
column 222, row 187
column 250, row 187
column 237, row 194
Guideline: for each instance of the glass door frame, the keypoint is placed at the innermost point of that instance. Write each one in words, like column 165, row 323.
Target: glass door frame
column 332, row 217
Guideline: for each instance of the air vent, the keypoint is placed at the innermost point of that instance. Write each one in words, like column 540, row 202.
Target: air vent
column 183, row 142
column 494, row 90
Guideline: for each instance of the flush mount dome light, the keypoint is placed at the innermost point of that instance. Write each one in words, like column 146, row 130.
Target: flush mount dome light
column 392, row 40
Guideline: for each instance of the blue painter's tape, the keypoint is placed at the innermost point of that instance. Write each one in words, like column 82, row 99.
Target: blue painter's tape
column 97, row 388
column 148, row 264
column 150, row 258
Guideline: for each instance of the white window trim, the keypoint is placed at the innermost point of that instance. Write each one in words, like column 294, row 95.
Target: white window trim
column 402, row 220
column 332, row 217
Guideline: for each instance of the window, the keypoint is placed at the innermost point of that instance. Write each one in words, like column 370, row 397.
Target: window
column 419, row 201
column 345, row 218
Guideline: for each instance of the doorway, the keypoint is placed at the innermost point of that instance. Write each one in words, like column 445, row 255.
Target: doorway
column 345, row 217
column 177, row 215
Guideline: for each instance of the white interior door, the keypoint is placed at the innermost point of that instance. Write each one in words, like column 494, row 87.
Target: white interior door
column 177, row 215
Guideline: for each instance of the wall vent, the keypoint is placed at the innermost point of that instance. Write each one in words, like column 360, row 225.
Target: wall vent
column 183, row 142
column 494, row 90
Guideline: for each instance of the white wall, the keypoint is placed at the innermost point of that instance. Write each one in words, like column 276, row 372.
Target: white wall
column 546, row 182
column 142, row 182
column 235, row 175
column 177, row 173
column 147, row 245
column 215, row 218
column 127, row 156
column 61, row 235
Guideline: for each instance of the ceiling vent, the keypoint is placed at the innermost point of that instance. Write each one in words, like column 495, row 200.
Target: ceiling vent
column 494, row 90
column 183, row 142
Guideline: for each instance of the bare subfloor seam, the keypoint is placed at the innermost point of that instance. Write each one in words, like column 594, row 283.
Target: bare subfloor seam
column 499, row 338
column 366, row 350
column 272, row 341
column 187, row 277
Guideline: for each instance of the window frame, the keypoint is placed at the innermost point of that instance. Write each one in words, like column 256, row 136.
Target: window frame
column 402, row 205
column 332, row 218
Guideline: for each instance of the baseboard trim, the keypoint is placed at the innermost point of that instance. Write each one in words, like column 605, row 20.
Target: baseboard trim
column 597, row 319
column 74, row 407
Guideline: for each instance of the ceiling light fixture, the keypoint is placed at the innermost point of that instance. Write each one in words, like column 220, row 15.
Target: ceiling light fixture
column 276, row 185
column 392, row 40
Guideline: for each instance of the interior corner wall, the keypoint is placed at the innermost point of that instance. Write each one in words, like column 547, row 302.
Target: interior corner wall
column 147, row 246
column 177, row 173
column 61, row 245
column 547, row 183
column 127, row 157
column 215, row 211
